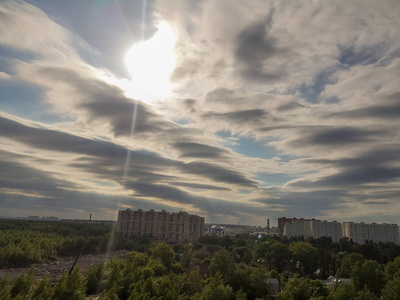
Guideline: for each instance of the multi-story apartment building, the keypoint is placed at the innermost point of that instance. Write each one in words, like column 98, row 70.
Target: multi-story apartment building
column 281, row 225
column 311, row 228
column 360, row 232
column 161, row 225
column 325, row 228
column 298, row 227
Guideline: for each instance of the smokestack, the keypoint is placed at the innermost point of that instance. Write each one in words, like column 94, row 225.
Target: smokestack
column 90, row 218
column 268, row 226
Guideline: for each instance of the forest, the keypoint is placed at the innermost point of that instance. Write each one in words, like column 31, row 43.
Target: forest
column 244, row 266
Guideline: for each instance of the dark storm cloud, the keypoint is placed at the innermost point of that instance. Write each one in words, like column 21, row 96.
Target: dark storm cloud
column 111, row 158
column 160, row 191
column 57, row 141
column 334, row 136
column 107, row 103
column 18, row 176
column 290, row 106
column 374, row 166
column 386, row 111
column 304, row 204
column 376, row 202
column 200, row 186
column 223, row 95
column 32, row 189
column 253, row 48
column 211, row 205
column 147, row 167
column 353, row 177
column 190, row 105
column 200, row 150
column 385, row 155
column 241, row 116
column 218, row 173
column 43, row 192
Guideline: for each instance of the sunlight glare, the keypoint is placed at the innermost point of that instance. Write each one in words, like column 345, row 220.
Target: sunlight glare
column 150, row 64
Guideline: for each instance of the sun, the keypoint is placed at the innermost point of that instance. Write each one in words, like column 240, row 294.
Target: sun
column 150, row 64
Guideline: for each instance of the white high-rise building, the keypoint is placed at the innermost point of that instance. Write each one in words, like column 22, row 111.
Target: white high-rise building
column 298, row 227
column 358, row 232
column 325, row 228
column 361, row 232
column 312, row 228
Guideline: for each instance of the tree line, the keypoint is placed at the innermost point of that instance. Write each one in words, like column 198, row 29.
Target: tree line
column 23, row 243
column 239, row 267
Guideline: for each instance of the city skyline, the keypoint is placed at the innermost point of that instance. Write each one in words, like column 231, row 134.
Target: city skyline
column 236, row 112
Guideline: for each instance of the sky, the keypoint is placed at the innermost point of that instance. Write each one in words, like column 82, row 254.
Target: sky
column 238, row 111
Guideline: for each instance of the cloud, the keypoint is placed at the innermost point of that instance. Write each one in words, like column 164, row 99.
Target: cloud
column 254, row 47
column 196, row 150
column 25, row 27
column 337, row 136
column 4, row 76
column 312, row 87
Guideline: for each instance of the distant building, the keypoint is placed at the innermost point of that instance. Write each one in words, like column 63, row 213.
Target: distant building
column 232, row 229
column 361, row 232
column 281, row 225
column 358, row 232
column 325, row 228
column 311, row 228
column 298, row 227
column 218, row 230
column 161, row 225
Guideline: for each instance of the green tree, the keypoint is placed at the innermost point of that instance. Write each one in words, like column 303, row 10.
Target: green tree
column 158, row 267
column 23, row 285
column 391, row 291
column 5, row 292
column 224, row 264
column 71, row 286
column 192, row 283
column 344, row 291
column 348, row 263
column 240, row 295
column 93, row 279
column 43, row 290
column 110, row 294
column 278, row 256
column 304, row 289
column 305, row 257
column 164, row 253
column 226, row 241
column 187, row 255
column 365, row 295
column 392, row 269
column 368, row 275
column 216, row 289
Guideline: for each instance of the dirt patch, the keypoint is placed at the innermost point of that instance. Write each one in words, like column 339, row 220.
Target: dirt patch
column 55, row 269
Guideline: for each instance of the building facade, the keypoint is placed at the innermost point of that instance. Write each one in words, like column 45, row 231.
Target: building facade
column 161, row 225
column 358, row 232
column 325, row 228
column 298, row 227
column 361, row 232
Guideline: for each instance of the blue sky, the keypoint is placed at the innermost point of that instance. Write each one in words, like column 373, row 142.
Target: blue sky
column 238, row 112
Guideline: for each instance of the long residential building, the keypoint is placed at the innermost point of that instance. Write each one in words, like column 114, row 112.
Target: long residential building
column 361, row 232
column 161, row 225
column 312, row 228
column 358, row 232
